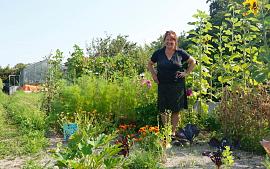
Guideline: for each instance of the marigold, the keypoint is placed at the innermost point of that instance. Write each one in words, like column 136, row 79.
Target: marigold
column 154, row 129
column 123, row 126
column 142, row 129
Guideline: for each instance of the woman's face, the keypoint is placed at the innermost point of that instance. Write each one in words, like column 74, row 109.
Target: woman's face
column 170, row 42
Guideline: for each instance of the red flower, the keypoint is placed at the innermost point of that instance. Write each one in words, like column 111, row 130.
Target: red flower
column 189, row 92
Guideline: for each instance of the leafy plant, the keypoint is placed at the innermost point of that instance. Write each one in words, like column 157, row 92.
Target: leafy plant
column 53, row 80
column 31, row 164
column 85, row 151
column 142, row 159
column 266, row 162
column 266, row 146
column 89, row 147
column 221, row 157
column 244, row 116
column 228, row 159
column 216, row 157
column 189, row 132
column 151, row 140
column 223, row 143
column 120, row 100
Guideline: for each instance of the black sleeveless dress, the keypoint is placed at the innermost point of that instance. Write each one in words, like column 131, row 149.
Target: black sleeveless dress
column 171, row 90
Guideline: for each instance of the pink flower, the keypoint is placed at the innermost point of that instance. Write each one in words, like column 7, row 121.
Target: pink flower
column 147, row 82
column 189, row 92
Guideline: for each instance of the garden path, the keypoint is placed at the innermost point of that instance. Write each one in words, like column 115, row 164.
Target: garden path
column 178, row 157
column 191, row 157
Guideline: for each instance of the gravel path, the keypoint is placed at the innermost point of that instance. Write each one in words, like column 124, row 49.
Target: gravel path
column 186, row 157
column 177, row 158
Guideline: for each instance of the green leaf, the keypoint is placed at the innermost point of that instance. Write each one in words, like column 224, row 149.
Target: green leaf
column 225, row 38
column 267, row 6
column 253, row 19
column 192, row 32
column 254, row 28
column 236, row 68
column 267, row 21
column 228, row 32
column 206, row 59
column 234, row 56
column 225, row 79
column 238, row 24
column 261, row 77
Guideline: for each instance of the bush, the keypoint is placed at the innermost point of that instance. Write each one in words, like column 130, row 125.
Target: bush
column 1, row 84
column 110, row 101
column 244, row 115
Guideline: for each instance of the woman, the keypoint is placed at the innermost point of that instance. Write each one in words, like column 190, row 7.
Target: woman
column 170, row 77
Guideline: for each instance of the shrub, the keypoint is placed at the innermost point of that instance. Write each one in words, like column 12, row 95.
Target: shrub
column 1, row 84
column 244, row 115
column 124, row 98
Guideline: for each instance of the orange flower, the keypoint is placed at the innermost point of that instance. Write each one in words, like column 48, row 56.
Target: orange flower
column 124, row 127
column 138, row 139
column 156, row 130
column 151, row 129
column 142, row 129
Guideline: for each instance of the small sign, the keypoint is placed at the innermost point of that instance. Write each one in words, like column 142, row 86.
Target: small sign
column 69, row 129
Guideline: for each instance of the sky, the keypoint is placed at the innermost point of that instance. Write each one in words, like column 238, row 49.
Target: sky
column 32, row 29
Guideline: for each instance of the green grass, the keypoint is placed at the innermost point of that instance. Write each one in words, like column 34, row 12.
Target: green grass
column 10, row 137
column 22, row 125
column 24, row 109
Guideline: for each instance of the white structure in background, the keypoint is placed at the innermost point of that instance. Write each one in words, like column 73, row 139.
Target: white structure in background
column 14, row 83
column 34, row 73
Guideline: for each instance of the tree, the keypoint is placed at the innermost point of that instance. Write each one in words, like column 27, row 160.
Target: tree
column 109, row 47
column 6, row 71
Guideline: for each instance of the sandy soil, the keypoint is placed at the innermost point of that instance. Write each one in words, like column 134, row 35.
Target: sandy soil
column 177, row 157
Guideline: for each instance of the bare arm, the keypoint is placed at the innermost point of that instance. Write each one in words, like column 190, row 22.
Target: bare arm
column 191, row 65
column 150, row 67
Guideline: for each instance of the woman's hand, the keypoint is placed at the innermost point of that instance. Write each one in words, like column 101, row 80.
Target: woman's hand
column 154, row 76
column 181, row 74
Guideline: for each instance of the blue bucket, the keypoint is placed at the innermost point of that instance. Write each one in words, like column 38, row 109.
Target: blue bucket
column 69, row 129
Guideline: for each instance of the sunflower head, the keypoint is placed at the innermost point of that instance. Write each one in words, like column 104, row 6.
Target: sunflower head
column 253, row 5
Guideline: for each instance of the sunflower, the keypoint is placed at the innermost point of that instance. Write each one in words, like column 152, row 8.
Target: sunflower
column 253, row 6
